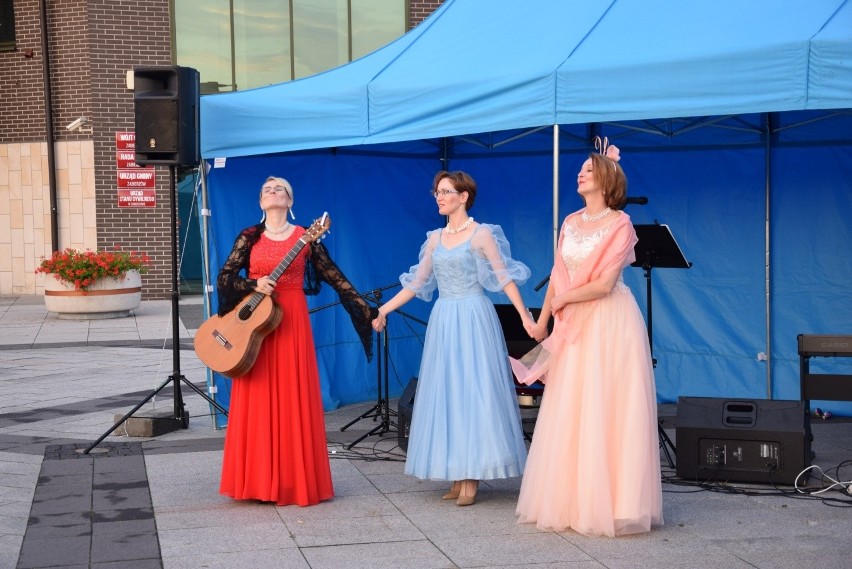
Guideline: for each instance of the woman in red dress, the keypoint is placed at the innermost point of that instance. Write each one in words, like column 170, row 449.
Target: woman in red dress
column 275, row 444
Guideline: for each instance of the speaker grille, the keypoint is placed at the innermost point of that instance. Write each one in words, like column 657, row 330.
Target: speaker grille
column 166, row 115
column 156, row 125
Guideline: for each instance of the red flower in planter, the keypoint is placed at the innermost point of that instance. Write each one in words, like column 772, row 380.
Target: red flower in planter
column 82, row 268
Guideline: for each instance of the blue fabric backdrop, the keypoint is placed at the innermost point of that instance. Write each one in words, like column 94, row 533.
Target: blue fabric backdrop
column 762, row 149
column 709, row 321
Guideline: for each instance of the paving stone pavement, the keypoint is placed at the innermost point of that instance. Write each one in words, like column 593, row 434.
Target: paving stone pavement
column 153, row 502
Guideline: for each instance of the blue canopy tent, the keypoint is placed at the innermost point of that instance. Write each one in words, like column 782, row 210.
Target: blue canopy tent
column 733, row 119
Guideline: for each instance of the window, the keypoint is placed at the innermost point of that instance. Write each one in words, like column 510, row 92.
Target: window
column 242, row 44
column 7, row 26
column 375, row 23
column 320, row 35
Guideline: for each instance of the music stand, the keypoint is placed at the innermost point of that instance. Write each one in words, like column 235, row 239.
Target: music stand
column 657, row 248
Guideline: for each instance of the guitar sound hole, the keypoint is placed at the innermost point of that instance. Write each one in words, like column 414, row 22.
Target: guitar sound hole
column 245, row 312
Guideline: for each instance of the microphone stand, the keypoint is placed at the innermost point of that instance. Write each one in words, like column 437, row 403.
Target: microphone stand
column 657, row 247
column 381, row 410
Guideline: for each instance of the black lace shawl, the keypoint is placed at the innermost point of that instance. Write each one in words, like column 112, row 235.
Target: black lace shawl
column 233, row 286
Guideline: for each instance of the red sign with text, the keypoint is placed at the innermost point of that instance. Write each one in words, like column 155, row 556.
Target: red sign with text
column 125, row 140
column 127, row 159
column 137, row 198
column 137, row 178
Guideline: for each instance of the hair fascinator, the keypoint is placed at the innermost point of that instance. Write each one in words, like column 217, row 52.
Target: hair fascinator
column 604, row 148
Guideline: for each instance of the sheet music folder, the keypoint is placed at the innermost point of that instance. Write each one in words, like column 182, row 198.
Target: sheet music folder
column 657, row 248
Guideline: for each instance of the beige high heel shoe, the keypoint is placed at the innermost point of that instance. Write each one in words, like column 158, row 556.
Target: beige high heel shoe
column 454, row 491
column 467, row 495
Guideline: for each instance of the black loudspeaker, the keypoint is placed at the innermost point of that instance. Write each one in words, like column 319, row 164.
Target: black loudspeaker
column 404, row 412
column 166, row 101
column 747, row 440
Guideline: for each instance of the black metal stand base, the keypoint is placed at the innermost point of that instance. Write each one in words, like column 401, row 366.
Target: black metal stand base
column 381, row 410
column 181, row 416
column 182, row 420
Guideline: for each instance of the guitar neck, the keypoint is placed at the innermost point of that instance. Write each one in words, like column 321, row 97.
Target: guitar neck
column 276, row 274
column 279, row 270
column 288, row 258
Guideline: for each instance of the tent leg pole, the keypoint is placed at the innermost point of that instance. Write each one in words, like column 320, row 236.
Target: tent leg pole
column 555, row 185
column 767, row 241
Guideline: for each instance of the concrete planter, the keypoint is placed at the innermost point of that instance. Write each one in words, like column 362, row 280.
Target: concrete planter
column 108, row 298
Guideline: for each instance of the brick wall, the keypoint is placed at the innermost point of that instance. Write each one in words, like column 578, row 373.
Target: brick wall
column 69, row 65
column 124, row 34
column 21, row 87
column 25, row 173
column 22, row 105
column 93, row 44
column 419, row 10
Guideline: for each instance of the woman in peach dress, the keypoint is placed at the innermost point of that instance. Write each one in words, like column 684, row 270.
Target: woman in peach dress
column 594, row 461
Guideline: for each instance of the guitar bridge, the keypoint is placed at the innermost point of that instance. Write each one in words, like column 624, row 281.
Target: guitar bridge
column 222, row 340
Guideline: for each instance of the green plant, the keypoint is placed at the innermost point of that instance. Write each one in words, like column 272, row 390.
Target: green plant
column 82, row 268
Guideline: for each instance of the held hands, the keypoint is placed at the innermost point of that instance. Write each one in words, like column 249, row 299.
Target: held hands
column 539, row 331
column 379, row 322
column 533, row 329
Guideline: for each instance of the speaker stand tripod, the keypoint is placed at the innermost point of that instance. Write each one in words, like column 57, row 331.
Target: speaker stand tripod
column 180, row 415
column 657, row 248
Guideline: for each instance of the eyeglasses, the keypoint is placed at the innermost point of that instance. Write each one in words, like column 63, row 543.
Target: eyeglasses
column 273, row 190
column 443, row 193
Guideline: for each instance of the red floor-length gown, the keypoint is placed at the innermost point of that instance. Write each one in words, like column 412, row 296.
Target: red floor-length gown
column 275, row 444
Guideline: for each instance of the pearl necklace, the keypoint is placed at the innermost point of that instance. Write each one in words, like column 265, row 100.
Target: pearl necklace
column 277, row 230
column 597, row 216
column 461, row 228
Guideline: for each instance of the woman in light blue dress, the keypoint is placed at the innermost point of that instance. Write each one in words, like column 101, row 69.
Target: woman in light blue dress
column 466, row 425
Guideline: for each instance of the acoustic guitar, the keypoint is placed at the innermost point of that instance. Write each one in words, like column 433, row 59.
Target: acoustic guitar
column 229, row 344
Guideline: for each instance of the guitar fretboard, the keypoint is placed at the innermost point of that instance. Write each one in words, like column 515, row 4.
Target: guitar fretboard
column 247, row 309
column 288, row 258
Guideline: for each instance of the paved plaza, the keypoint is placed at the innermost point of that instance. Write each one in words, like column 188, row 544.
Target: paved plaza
column 153, row 502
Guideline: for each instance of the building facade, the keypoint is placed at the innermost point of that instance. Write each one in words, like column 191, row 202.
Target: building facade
column 66, row 109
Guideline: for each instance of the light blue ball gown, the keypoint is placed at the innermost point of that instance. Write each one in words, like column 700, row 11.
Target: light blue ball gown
column 466, row 423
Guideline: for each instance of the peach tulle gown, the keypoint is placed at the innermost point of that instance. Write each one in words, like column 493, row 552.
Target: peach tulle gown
column 594, row 462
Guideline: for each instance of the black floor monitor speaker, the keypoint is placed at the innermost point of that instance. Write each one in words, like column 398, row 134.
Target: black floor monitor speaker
column 404, row 412
column 745, row 440
column 166, row 101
